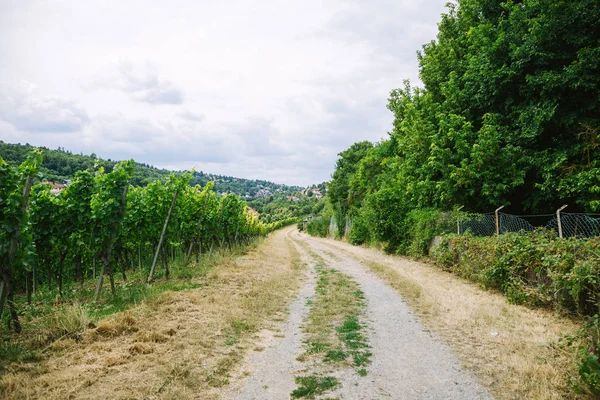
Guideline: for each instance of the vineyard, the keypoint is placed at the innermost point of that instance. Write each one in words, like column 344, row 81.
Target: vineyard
column 100, row 225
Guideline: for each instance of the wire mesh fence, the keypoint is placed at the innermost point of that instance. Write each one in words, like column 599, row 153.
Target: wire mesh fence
column 333, row 228
column 564, row 224
column 348, row 227
column 576, row 225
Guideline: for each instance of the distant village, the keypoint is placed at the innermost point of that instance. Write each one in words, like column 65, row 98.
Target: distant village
column 309, row 192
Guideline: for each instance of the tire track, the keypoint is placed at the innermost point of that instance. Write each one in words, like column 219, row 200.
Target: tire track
column 275, row 368
column 408, row 362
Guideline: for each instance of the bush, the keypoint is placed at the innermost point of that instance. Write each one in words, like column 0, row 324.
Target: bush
column 587, row 344
column 361, row 228
column 537, row 269
column 420, row 227
column 531, row 268
column 318, row 227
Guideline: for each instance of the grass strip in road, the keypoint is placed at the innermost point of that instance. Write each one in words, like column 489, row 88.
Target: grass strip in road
column 334, row 333
column 313, row 385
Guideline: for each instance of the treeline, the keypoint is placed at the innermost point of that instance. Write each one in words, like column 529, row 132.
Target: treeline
column 100, row 222
column 509, row 115
column 60, row 165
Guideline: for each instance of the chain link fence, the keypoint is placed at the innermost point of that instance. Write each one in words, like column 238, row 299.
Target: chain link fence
column 564, row 224
column 577, row 225
column 333, row 228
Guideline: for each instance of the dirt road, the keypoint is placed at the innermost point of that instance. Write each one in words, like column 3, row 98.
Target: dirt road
column 407, row 361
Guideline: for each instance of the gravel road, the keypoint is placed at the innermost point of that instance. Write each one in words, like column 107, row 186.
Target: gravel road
column 408, row 362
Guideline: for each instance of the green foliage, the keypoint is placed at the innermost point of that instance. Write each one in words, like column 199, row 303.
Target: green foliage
column 531, row 268
column 420, row 227
column 508, row 115
column 361, row 227
column 587, row 344
column 339, row 191
column 313, row 385
column 318, row 227
column 279, row 207
column 99, row 222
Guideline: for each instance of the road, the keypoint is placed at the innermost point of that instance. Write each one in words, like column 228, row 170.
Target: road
column 408, row 362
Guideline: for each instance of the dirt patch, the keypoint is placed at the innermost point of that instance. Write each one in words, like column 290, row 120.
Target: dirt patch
column 184, row 345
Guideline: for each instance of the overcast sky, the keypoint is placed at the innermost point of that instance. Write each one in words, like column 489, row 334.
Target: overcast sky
column 268, row 89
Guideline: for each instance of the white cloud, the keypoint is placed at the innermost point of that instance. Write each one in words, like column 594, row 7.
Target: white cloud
column 143, row 83
column 27, row 110
column 271, row 89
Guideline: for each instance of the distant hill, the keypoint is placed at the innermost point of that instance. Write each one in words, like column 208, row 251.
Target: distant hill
column 61, row 164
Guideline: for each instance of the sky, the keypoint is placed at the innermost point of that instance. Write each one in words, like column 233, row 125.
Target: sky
column 266, row 89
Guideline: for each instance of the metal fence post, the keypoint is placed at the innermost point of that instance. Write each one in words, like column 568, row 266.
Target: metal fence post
column 560, row 232
column 458, row 220
column 498, row 220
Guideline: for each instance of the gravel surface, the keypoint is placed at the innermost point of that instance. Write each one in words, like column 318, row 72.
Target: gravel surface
column 407, row 363
column 275, row 368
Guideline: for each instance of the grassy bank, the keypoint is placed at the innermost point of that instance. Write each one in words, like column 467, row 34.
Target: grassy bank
column 142, row 347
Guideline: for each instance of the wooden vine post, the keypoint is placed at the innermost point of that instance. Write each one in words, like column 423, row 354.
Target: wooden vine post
column 162, row 235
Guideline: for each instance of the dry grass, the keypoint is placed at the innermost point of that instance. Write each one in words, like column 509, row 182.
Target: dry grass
column 116, row 326
column 183, row 345
column 68, row 321
column 513, row 349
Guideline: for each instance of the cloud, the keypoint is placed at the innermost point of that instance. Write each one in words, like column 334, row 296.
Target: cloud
column 27, row 110
column 190, row 116
column 144, row 84
column 241, row 93
column 118, row 128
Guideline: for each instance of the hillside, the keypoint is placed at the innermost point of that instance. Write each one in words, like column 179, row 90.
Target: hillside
column 61, row 164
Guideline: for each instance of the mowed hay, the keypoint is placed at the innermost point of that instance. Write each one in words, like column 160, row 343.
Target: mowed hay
column 513, row 350
column 113, row 327
column 189, row 344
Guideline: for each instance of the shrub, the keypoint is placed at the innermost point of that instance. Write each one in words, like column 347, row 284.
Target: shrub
column 531, row 268
column 420, row 227
column 69, row 321
column 360, row 232
column 318, row 227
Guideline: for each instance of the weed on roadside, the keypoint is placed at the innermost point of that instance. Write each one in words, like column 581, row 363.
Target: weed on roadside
column 313, row 385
